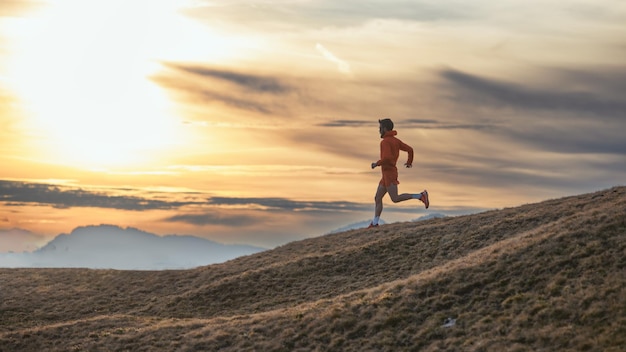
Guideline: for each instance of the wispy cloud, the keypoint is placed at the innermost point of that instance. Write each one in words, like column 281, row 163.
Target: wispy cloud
column 215, row 218
column 278, row 15
column 342, row 65
column 411, row 123
column 349, row 123
column 288, row 204
column 206, row 85
column 197, row 93
column 19, row 193
column 518, row 96
column 251, row 82
column 573, row 138
column 559, row 120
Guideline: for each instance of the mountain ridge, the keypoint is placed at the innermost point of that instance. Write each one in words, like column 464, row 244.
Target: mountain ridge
column 114, row 247
column 544, row 276
column 15, row 240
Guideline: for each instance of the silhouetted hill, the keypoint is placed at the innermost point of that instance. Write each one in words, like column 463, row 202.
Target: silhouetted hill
column 19, row 240
column 112, row 247
column 549, row 276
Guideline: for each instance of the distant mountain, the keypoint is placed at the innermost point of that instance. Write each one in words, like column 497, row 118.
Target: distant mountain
column 20, row 240
column 112, row 247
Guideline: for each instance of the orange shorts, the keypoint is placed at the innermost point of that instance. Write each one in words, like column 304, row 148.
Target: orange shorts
column 390, row 177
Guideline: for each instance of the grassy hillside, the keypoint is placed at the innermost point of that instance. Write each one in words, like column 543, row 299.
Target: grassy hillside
column 548, row 276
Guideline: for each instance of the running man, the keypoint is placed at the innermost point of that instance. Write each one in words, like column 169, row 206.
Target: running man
column 390, row 148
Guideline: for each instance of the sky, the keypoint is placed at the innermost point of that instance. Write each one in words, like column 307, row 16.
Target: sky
column 256, row 122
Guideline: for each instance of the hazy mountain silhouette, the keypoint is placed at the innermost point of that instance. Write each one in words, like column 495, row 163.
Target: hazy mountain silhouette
column 20, row 240
column 112, row 247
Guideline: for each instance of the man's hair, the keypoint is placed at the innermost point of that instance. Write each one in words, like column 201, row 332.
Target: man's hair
column 386, row 124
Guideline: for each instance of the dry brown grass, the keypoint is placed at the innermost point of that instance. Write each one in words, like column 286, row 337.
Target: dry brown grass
column 548, row 276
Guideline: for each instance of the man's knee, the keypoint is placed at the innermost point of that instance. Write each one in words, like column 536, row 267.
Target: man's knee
column 395, row 199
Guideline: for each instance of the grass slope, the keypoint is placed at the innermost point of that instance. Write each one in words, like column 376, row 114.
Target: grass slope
column 547, row 276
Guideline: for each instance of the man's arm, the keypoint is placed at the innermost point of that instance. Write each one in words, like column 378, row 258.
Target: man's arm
column 405, row 147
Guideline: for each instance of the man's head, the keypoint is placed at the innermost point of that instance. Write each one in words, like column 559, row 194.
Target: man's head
column 385, row 125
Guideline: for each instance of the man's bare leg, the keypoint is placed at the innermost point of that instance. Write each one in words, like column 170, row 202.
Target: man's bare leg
column 393, row 193
column 378, row 199
column 395, row 197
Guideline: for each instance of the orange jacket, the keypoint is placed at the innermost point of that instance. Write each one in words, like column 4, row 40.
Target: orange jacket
column 390, row 148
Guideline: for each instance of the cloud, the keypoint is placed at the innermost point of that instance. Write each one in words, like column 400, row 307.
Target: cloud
column 251, row 82
column 349, row 123
column 572, row 139
column 18, row 193
column 411, row 123
column 605, row 80
column 443, row 125
column 588, row 120
column 284, row 204
column 244, row 91
column 288, row 204
column 215, row 218
column 279, row 15
column 504, row 94
column 62, row 197
column 342, row 65
column 204, row 95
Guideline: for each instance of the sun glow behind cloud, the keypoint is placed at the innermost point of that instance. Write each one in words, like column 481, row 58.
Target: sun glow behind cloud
column 81, row 72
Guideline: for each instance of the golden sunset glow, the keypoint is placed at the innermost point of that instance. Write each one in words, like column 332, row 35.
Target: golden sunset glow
column 82, row 72
column 256, row 122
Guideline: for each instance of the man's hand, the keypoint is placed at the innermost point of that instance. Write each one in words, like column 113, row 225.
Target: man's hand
column 374, row 164
column 408, row 166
